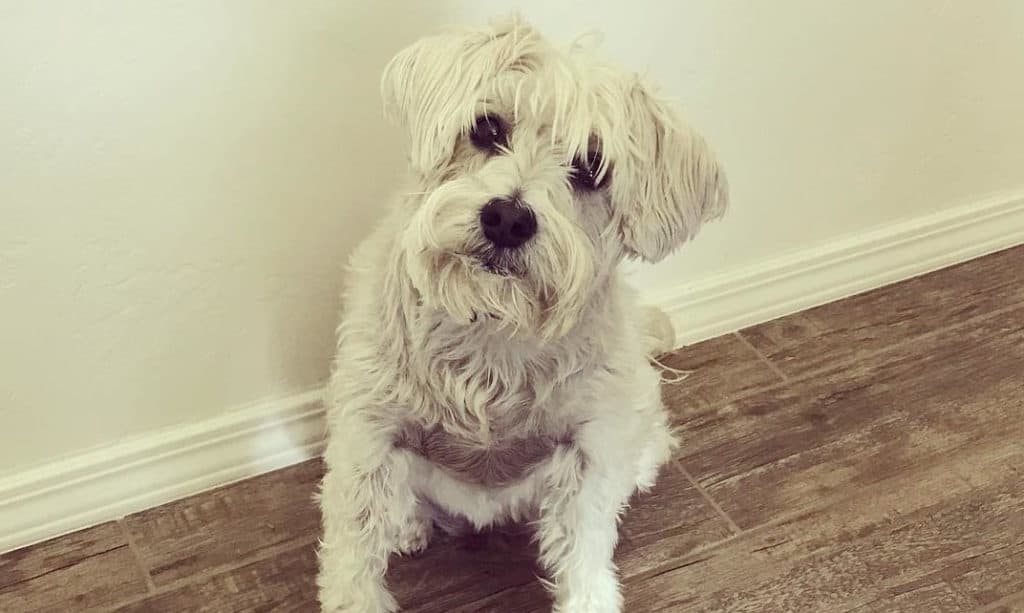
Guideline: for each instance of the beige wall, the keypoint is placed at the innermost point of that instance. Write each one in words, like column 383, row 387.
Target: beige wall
column 180, row 182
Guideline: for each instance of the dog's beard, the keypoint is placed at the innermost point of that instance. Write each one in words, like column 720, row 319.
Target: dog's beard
column 539, row 289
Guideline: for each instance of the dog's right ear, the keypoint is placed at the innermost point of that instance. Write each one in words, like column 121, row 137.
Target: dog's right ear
column 667, row 181
column 434, row 87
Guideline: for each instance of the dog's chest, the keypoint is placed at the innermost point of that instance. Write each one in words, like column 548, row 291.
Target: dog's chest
column 493, row 463
column 497, row 408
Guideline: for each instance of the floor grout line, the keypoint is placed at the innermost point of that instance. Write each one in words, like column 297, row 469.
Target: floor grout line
column 137, row 555
column 258, row 556
column 764, row 359
column 58, row 568
column 733, row 527
column 830, row 501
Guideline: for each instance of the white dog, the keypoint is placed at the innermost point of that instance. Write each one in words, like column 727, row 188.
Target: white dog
column 491, row 365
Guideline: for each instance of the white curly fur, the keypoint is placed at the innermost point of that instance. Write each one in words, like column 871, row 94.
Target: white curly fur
column 553, row 346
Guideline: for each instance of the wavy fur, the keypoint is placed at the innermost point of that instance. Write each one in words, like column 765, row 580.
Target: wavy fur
column 494, row 385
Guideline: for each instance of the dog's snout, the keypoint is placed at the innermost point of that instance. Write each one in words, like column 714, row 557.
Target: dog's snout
column 507, row 222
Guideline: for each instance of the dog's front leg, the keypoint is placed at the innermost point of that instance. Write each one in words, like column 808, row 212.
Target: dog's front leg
column 369, row 509
column 578, row 531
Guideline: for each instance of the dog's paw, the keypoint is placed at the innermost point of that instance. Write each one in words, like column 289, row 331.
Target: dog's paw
column 657, row 332
column 589, row 607
column 358, row 609
column 386, row 604
column 415, row 536
column 595, row 593
column 342, row 597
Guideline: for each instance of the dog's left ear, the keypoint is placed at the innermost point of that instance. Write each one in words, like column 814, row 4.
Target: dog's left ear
column 666, row 182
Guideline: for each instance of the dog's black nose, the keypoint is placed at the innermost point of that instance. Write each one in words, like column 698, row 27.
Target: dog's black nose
column 507, row 222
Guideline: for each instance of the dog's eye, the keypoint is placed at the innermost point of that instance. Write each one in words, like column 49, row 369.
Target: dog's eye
column 489, row 133
column 585, row 170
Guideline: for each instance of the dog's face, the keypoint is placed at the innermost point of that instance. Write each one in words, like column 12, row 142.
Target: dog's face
column 539, row 169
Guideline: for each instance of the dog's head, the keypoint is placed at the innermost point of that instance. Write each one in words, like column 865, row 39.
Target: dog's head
column 539, row 169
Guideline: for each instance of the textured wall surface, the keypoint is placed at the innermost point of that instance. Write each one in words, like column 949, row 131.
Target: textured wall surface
column 180, row 182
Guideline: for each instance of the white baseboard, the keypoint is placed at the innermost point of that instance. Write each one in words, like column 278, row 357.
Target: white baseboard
column 811, row 277
column 90, row 488
column 86, row 489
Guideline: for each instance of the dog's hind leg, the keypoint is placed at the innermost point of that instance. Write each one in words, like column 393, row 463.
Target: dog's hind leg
column 369, row 512
column 658, row 334
column 656, row 452
column 414, row 536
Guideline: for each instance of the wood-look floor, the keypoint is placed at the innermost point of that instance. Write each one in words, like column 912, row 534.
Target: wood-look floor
column 865, row 456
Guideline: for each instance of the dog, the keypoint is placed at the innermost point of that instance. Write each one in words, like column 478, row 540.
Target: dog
column 492, row 366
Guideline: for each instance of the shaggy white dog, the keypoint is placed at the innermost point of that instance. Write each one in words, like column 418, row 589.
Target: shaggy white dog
column 491, row 365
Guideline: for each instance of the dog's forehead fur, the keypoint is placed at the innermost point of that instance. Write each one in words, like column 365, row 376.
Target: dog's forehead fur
column 440, row 84
column 667, row 182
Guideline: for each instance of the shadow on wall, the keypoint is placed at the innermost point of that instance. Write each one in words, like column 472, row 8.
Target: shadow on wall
column 371, row 151
column 370, row 33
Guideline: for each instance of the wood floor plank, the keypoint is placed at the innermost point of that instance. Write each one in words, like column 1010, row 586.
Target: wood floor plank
column 666, row 524
column 931, row 598
column 778, row 450
column 284, row 583
column 89, row 584
column 201, row 533
column 454, row 572
column 894, row 537
column 1011, row 604
column 670, row 521
column 997, row 573
column 847, row 330
column 722, row 369
column 29, row 562
column 527, row 598
column 991, row 576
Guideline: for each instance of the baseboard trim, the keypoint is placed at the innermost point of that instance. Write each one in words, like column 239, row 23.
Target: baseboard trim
column 811, row 277
column 108, row 483
column 89, row 488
